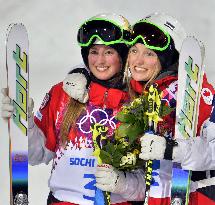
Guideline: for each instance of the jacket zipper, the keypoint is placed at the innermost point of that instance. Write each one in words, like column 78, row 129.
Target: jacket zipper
column 105, row 98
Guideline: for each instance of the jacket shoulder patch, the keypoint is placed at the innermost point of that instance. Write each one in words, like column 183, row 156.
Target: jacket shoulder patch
column 207, row 96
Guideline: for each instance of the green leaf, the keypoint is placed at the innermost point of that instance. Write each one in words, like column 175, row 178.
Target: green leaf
column 123, row 130
column 125, row 118
column 117, row 158
column 165, row 110
column 134, row 131
column 109, row 148
column 105, row 157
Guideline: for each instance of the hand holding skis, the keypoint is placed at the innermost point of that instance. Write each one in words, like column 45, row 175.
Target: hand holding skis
column 7, row 107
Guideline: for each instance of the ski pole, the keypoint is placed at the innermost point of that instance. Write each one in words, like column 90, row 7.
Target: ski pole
column 99, row 134
column 150, row 113
column 154, row 102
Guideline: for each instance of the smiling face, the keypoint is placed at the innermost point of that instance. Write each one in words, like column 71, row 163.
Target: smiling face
column 143, row 62
column 104, row 62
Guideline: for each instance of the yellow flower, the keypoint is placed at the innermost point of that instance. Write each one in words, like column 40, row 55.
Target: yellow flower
column 129, row 159
column 124, row 142
column 136, row 102
column 136, row 152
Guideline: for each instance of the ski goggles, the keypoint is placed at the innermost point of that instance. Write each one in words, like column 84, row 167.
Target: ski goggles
column 106, row 31
column 151, row 35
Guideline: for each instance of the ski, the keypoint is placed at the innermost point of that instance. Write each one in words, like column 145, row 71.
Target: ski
column 18, row 87
column 190, row 76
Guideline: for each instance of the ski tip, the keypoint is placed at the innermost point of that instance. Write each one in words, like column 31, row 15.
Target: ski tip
column 14, row 26
column 199, row 44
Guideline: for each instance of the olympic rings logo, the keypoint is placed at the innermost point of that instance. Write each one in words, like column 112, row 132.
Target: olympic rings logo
column 89, row 116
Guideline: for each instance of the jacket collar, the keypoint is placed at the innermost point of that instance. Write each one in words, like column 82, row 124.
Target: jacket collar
column 162, row 83
column 106, row 97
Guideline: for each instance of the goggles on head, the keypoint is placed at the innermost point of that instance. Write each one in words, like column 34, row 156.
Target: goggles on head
column 152, row 36
column 106, row 31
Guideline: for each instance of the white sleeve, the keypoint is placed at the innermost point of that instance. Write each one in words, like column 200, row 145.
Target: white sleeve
column 133, row 189
column 197, row 154
column 37, row 152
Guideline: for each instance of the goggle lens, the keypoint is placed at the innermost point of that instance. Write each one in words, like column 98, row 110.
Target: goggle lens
column 152, row 36
column 106, row 31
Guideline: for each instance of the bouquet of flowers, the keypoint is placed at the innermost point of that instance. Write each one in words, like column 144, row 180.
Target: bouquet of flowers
column 122, row 151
